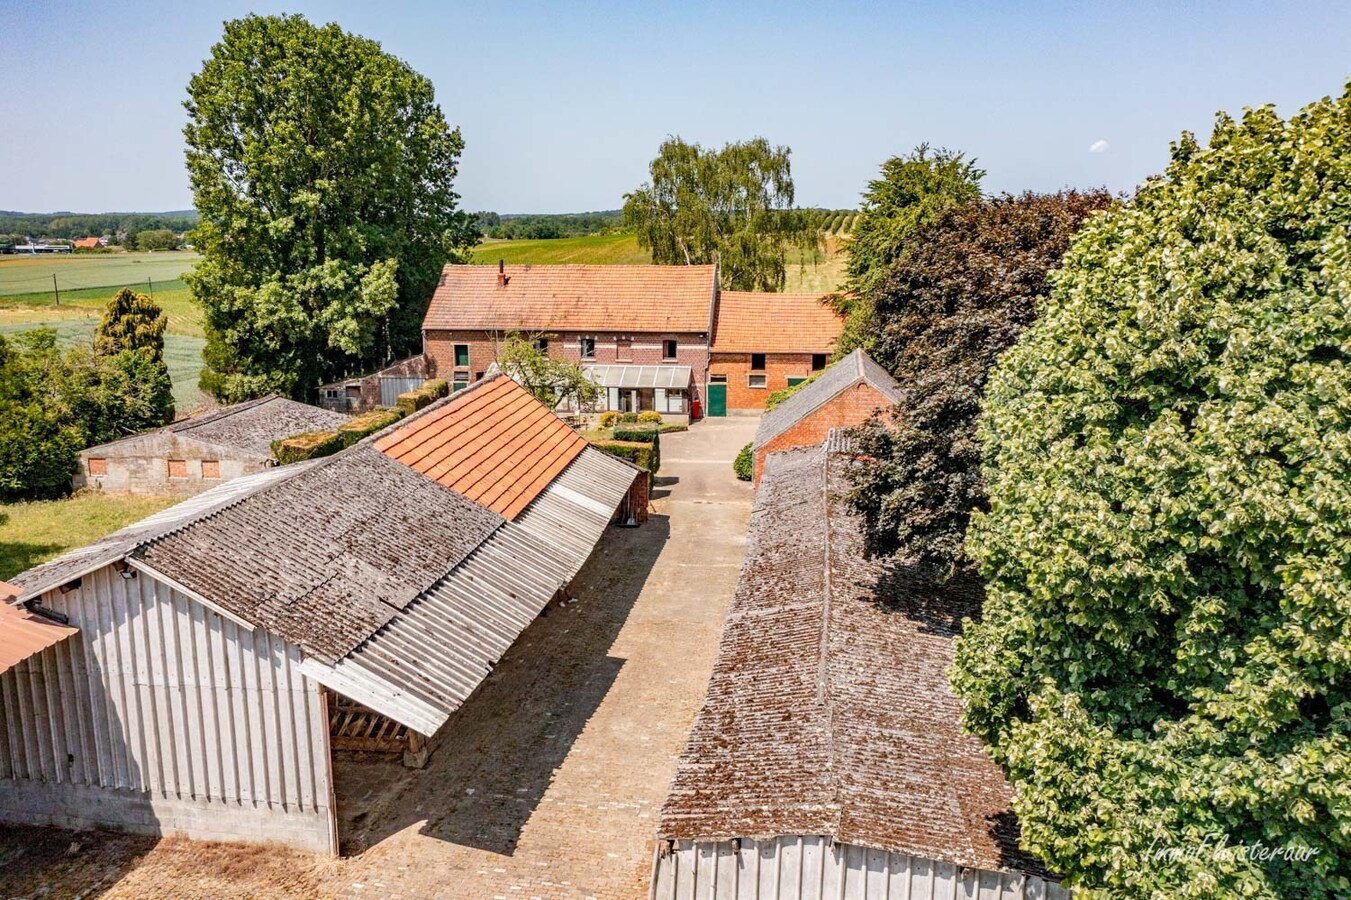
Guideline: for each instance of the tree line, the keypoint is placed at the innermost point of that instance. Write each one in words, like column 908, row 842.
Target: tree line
column 69, row 226
column 547, row 226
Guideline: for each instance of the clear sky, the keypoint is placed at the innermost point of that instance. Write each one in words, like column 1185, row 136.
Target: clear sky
column 562, row 105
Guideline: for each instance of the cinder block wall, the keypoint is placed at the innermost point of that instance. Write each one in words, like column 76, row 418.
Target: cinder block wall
column 852, row 406
column 140, row 465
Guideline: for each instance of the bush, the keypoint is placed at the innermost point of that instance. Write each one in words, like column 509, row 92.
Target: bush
column 608, row 419
column 629, row 417
column 643, row 454
column 668, row 427
column 310, row 445
column 410, row 402
column 644, row 433
column 1165, row 648
column 368, row 423
column 649, row 416
column 777, row 397
column 744, row 464
column 39, row 453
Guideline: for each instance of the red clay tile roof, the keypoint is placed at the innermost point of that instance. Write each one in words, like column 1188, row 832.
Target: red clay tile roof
column 493, row 443
column 573, row 298
column 87, row 242
column 23, row 633
column 755, row 322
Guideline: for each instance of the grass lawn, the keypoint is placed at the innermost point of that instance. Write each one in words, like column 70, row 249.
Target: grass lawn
column 34, row 532
column 76, row 271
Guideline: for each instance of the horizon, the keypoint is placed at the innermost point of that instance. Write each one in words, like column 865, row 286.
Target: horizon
column 563, row 108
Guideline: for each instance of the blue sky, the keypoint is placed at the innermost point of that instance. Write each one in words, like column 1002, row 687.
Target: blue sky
column 562, row 105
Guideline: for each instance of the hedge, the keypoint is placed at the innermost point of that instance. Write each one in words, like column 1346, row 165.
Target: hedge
column 310, row 445
column 644, row 433
column 639, row 453
column 431, row 391
column 370, row 422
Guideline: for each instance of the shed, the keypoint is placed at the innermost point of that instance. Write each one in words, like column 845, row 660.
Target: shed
column 225, row 647
column 828, row 758
column 847, row 393
column 197, row 453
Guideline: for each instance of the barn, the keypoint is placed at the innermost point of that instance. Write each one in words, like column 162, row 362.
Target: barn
column 195, row 454
column 828, row 759
column 847, row 393
column 193, row 673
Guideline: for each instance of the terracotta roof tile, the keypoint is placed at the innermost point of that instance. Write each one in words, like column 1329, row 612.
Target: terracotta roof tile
column 573, row 298
column 24, row 633
column 494, row 443
column 756, row 322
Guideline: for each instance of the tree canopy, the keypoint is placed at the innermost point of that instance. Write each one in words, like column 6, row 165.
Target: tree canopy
column 968, row 284
column 1165, row 652
column 552, row 381
column 732, row 206
column 132, row 321
column 912, row 190
column 323, row 172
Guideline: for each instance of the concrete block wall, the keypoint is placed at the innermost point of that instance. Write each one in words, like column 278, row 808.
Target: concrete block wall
column 852, row 406
column 140, row 465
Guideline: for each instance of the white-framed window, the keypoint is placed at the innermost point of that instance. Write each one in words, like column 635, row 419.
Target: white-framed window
column 756, row 381
column 588, row 347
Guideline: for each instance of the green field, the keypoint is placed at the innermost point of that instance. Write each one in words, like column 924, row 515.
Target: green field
column 33, row 274
column 32, row 533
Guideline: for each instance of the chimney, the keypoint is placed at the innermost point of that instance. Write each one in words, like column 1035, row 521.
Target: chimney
column 501, row 273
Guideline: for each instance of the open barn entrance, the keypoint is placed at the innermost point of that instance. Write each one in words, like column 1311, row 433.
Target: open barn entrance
column 353, row 728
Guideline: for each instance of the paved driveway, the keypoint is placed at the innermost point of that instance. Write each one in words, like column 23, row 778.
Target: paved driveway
column 549, row 781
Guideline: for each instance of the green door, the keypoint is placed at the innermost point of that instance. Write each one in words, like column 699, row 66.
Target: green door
column 794, row 381
column 717, row 399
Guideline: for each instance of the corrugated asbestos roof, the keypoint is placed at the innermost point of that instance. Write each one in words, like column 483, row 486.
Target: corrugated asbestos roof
column 829, row 711
column 250, row 426
column 573, row 298
column 24, row 633
column 503, row 465
column 759, row 322
column 630, row 376
column 856, row 368
column 421, row 666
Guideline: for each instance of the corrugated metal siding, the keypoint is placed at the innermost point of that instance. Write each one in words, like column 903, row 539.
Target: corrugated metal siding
column 163, row 698
column 421, row 666
column 391, row 386
column 813, row 868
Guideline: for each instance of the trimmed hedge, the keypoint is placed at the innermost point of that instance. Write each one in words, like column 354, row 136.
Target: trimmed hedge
column 639, row 453
column 668, row 427
column 368, row 423
column 310, row 445
column 744, row 464
column 431, row 391
column 644, row 433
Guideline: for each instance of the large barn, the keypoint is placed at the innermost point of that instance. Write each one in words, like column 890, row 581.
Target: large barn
column 192, row 674
column 828, row 759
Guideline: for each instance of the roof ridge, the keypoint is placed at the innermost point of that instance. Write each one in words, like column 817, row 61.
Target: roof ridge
column 823, row 681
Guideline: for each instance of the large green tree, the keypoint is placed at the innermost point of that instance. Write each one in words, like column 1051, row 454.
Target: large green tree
column 967, row 286
column 131, row 321
column 732, row 206
column 1164, row 658
column 911, row 190
column 323, row 172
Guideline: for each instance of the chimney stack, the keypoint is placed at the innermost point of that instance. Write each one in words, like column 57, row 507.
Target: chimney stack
column 501, row 273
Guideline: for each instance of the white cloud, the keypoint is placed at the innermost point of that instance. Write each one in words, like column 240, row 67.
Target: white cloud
column 1099, row 147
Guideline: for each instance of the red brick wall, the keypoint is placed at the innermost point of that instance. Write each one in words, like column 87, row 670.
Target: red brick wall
column 778, row 368
column 850, row 407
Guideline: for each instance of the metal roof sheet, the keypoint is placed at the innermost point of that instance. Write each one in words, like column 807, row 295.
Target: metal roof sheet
column 856, row 368
column 250, row 426
column 24, row 633
column 628, row 376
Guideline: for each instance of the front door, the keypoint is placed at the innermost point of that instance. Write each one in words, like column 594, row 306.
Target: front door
column 717, row 399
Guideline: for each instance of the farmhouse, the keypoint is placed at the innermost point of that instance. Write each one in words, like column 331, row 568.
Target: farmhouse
column 195, row 454
column 847, row 393
column 766, row 342
column 213, row 656
column 828, row 758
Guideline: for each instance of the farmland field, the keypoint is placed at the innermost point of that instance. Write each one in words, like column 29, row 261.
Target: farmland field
column 602, row 249
column 33, row 274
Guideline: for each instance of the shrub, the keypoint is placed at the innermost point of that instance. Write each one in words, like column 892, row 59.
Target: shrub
column 643, row 454
column 629, row 417
column 1165, row 648
column 608, row 419
column 782, row 394
column 649, row 416
column 310, row 445
column 368, row 423
column 645, row 433
column 410, row 402
column 668, row 427
column 744, row 464
column 39, row 452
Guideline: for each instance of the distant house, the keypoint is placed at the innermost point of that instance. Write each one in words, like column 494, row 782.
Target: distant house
column 87, row 243
column 194, row 673
column 846, row 393
column 766, row 342
column 195, row 454
column 365, row 392
column 828, row 759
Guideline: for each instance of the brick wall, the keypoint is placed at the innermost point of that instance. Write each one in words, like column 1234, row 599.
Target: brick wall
column 850, row 407
column 779, row 367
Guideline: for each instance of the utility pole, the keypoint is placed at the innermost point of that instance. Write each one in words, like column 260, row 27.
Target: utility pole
column 149, row 283
column 56, row 290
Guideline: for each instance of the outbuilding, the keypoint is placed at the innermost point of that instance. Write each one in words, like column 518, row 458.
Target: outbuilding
column 200, row 452
column 847, row 393
column 828, row 759
column 195, row 672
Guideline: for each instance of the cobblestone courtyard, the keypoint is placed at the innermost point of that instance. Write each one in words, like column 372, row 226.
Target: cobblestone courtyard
column 549, row 779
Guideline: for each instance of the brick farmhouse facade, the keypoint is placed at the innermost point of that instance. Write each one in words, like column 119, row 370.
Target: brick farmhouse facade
column 766, row 342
